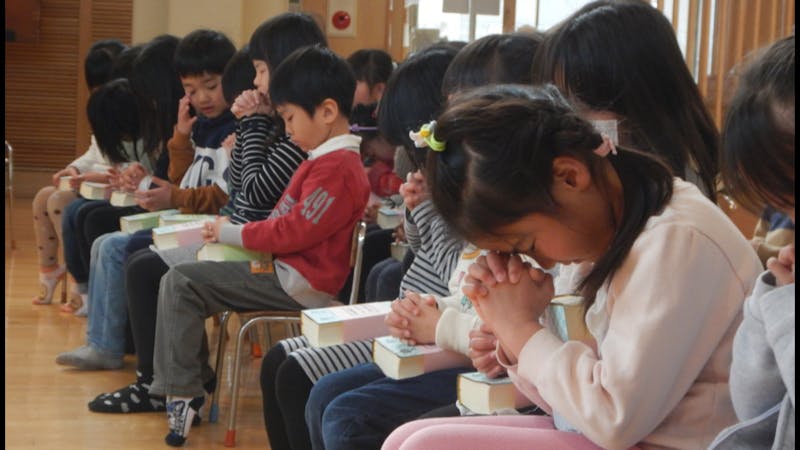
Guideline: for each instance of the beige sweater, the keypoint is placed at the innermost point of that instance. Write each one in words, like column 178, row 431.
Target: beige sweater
column 664, row 326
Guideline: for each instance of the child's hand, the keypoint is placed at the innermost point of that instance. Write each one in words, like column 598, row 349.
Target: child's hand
column 413, row 319
column 211, row 229
column 76, row 180
column 229, row 143
column 415, row 190
column 250, row 102
column 185, row 120
column 114, row 179
column 512, row 310
column 490, row 269
column 782, row 266
column 156, row 199
column 371, row 213
column 482, row 346
column 131, row 176
column 69, row 171
column 399, row 233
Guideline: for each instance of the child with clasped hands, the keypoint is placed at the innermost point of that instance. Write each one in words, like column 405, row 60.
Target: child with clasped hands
column 560, row 192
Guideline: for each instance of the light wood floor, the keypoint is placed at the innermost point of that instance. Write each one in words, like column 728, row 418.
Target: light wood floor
column 46, row 404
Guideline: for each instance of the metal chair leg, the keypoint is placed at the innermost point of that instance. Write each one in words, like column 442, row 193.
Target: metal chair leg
column 230, row 435
column 213, row 413
column 255, row 343
column 9, row 174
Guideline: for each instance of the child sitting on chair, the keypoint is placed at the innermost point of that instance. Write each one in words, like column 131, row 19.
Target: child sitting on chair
column 308, row 233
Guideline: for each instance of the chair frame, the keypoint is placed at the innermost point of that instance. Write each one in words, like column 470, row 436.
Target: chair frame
column 10, row 192
column 291, row 319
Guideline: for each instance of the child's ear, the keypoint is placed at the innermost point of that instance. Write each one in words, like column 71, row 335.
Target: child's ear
column 570, row 174
column 329, row 109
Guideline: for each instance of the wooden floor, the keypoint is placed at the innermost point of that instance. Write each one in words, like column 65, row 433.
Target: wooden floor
column 46, row 404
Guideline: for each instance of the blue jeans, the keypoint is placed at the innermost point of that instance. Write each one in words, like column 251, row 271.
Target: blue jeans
column 108, row 307
column 360, row 407
column 69, row 230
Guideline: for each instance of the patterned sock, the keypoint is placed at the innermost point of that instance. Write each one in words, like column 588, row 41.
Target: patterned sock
column 133, row 398
column 180, row 416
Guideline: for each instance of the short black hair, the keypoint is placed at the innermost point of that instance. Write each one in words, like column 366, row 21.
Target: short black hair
column 123, row 64
column 310, row 75
column 371, row 65
column 100, row 60
column 758, row 136
column 238, row 75
column 113, row 116
column 279, row 36
column 203, row 51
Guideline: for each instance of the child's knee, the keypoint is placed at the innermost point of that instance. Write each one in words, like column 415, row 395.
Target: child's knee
column 40, row 201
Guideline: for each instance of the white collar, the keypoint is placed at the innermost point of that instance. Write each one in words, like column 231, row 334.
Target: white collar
column 349, row 142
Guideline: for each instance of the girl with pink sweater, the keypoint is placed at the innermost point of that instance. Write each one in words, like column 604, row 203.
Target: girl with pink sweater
column 521, row 173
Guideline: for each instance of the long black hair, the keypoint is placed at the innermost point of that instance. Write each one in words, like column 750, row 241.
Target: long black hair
column 114, row 118
column 622, row 56
column 413, row 96
column 158, row 90
column 497, row 167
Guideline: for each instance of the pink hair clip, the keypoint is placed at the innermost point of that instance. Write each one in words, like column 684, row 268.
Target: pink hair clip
column 606, row 147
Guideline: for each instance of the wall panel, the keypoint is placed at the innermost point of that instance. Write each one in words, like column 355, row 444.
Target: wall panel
column 43, row 82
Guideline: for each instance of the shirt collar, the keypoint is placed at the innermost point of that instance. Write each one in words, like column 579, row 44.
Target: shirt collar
column 349, row 142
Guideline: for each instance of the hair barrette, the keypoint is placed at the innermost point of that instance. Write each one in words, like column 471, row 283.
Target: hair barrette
column 424, row 137
column 605, row 147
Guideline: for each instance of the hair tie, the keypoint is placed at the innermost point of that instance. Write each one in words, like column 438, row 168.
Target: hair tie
column 424, row 137
column 605, row 147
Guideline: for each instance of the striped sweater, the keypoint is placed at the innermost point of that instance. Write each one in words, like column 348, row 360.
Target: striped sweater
column 262, row 163
column 436, row 251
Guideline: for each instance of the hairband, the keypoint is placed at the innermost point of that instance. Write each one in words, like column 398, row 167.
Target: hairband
column 355, row 128
column 605, row 147
column 424, row 137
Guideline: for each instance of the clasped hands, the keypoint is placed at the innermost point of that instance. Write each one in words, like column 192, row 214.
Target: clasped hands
column 413, row 318
column 509, row 296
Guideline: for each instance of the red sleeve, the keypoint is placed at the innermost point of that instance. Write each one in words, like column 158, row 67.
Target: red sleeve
column 325, row 205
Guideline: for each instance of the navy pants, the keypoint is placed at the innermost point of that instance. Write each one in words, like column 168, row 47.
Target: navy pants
column 359, row 407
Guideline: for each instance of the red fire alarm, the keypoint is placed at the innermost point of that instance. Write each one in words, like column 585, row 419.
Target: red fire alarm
column 340, row 20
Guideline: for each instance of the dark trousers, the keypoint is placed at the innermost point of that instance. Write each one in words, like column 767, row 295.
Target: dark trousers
column 143, row 273
column 284, row 391
column 82, row 223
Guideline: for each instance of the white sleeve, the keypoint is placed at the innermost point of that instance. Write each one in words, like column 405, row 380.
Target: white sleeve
column 92, row 156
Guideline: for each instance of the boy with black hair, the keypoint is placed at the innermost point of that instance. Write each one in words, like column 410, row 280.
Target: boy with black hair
column 308, row 233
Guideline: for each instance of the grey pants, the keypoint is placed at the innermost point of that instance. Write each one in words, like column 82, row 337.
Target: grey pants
column 192, row 292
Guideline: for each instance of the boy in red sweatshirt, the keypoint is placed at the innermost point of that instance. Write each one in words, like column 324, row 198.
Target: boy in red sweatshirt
column 308, row 233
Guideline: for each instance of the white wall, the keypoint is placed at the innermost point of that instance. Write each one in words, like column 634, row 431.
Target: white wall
column 236, row 18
